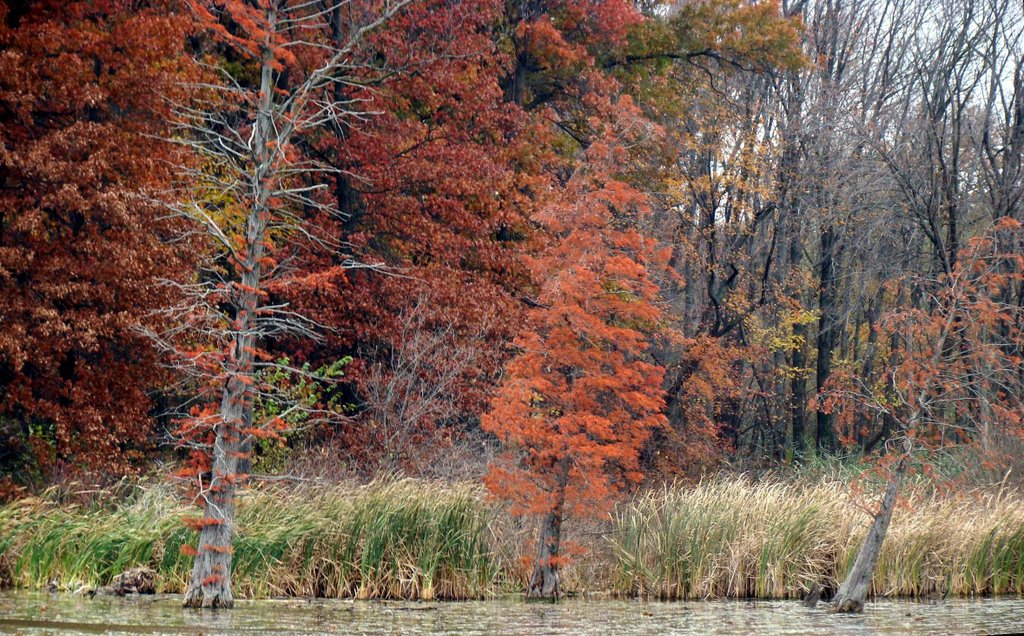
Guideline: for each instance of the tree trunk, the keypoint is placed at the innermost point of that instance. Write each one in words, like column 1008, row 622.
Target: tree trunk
column 873, row 313
column 210, row 585
column 798, row 387
column 825, row 436
column 798, row 391
column 517, row 82
column 545, row 582
column 853, row 593
column 790, row 211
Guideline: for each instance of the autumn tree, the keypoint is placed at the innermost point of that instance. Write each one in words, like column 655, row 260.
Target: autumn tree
column 708, row 74
column 954, row 380
column 441, row 184
column 83, row 104
column 429, row 189
column 256, row 196
column 582, row 396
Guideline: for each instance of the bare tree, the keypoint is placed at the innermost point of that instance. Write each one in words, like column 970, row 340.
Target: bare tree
column 419, row 382
column 257, row 200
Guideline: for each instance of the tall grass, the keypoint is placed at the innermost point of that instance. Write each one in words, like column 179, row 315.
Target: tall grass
column 734, row 539
column 422, row 540
column 392, row 539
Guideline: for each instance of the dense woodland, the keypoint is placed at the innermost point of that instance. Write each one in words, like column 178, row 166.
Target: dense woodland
column 563, row 246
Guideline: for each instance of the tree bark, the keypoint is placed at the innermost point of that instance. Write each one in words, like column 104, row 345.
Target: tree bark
column 798, row 386
column 798, row 391
column 545, row 582
column 853, row 593
column 210, row 585
column 825, row 436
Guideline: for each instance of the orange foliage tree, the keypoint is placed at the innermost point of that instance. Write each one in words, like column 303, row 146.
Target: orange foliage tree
column 579, row 401
column 953, row 377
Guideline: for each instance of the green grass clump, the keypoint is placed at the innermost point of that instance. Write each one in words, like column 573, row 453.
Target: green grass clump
column 75, row 545
column 772, row 540
column 390, row 539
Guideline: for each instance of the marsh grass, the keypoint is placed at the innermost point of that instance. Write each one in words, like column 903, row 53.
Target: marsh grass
column 773, row 540
column 390, row 539
column 424, row 540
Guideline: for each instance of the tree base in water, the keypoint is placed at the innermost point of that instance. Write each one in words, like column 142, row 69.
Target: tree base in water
column 201, row 599
column 544, row 584
column 848, row 606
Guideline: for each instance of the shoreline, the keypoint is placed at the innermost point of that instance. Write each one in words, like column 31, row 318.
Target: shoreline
column 502, row 598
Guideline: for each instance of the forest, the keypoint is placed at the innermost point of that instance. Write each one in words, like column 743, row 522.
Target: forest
column 365, row 298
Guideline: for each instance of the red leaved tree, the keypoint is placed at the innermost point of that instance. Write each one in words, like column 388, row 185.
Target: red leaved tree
column 581, row 398
column 430, row 190
column 953, row 377
column 84, row 88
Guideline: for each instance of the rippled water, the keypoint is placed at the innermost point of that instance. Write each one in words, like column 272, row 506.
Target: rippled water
column 43, row 613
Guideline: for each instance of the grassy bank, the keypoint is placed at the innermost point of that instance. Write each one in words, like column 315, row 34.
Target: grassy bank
column 397, row 539
column 731, row 539
column 406, row 539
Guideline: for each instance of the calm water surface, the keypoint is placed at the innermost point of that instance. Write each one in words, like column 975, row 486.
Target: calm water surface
column 43, row 613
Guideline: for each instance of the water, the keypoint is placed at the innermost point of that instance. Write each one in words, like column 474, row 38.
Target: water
column 43, row 613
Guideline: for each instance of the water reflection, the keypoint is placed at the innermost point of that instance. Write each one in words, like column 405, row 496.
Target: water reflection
column 43, row 613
